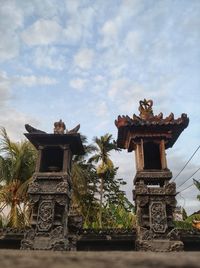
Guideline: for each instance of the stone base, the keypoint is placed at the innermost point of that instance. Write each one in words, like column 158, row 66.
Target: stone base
column 162, row 245
column 53, row 241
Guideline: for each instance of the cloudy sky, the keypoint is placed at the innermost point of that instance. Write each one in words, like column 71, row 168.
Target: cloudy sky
column 87, row 61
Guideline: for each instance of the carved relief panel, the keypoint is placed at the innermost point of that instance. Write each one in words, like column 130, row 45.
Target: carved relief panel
column 45, row 215
column 158, row 217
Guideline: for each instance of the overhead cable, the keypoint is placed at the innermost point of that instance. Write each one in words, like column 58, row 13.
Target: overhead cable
column 186, row 163
column 187, row 187
column 189, row 178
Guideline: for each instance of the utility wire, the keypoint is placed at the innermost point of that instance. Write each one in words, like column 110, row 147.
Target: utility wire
column 186, row 163
column 189, row 178
column 183, row 206
column 187, row 187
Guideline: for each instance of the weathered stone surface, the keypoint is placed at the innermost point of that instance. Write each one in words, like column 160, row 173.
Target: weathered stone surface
column 51, row 188
column 47, row 259
column 155, row 197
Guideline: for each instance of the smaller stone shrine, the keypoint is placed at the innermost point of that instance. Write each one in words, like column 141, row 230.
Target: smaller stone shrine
column 51, row 187
column 149, row 136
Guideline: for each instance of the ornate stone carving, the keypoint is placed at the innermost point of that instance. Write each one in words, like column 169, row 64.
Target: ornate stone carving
column 173, row 235
column 149, row 136
column 142, row 245
column 142, row 201
column 50, row 177
column 45, row 215
column 34, row 198
column 59, row 127
column 61, row 200
column 177, row 246
column 170, row 188
column 158, row 217
column 27, row 242
column 62, row 187
column 140, row 188
column 156, row 191
column 34, row 187
column 171, row 201
column 58, row 241
column 153, row 175
column 145, row 109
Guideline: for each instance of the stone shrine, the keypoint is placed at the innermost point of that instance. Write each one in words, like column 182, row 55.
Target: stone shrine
column 149, row 136
column 50, row 189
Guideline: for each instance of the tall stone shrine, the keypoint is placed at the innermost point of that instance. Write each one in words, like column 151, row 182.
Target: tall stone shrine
column 149, row 136
column 51, row 186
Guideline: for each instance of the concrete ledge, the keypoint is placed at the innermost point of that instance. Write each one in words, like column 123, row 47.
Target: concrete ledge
column 49, row 259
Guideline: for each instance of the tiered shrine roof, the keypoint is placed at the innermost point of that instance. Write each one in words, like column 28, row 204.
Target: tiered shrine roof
column 149, row 125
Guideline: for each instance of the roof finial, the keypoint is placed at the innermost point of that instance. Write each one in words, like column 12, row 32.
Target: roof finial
column 145, row 109
column 59, row 127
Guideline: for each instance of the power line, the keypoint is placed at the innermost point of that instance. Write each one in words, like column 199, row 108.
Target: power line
column 186, row 163
column 189, row 178
column 187, row 187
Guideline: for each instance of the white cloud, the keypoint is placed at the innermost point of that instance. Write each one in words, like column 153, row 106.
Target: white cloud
column 13, row 121
column 11, row 20
column 132, row 42
column 79, row 23
column 113, row 29
column 84, row 58
column 110, row 31
column 117, row 87
column 42, row 32
column 72, row 6
column 102, row 109
column 4, row 88
column 33, row 80
column 49, row 57
column 98, row 78
column 45, row 8
column 6, row 82
column 72, row 33
column 78, row 84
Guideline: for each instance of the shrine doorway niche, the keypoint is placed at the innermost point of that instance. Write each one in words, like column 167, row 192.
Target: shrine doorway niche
column 151, row 155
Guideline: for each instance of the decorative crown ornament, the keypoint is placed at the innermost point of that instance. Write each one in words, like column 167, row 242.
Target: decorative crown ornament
column 59, row 127
column 145, row 109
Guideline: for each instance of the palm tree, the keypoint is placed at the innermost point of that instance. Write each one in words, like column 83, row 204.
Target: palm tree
column 17, row 163
column 83, row 180
column 197, row 184
column 104, row 145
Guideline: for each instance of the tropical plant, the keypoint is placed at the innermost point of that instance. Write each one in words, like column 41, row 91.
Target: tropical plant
column 84, row 179
column 197, row 184
column 105, row 168
column 17, row 162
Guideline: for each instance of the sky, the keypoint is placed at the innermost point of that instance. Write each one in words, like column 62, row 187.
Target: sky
column 88, row 61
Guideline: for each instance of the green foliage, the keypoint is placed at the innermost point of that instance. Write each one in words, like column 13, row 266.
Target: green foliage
column 96, row 190
column 17, row 163
column 118, row 217
column 197, row 184
column 193, row 217
column 183, row 225
column 112, row 210
column 184, row 213
column 188, row 222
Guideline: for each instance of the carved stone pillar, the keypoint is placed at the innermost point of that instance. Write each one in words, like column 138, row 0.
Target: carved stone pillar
column 149, row 136
column 50, row 189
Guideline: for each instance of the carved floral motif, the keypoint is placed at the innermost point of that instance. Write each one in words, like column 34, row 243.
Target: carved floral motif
column 158, row 218
column 45, row 215
column 62, row 187
column 141, row 188
column 170, row 188
column 34, row 187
